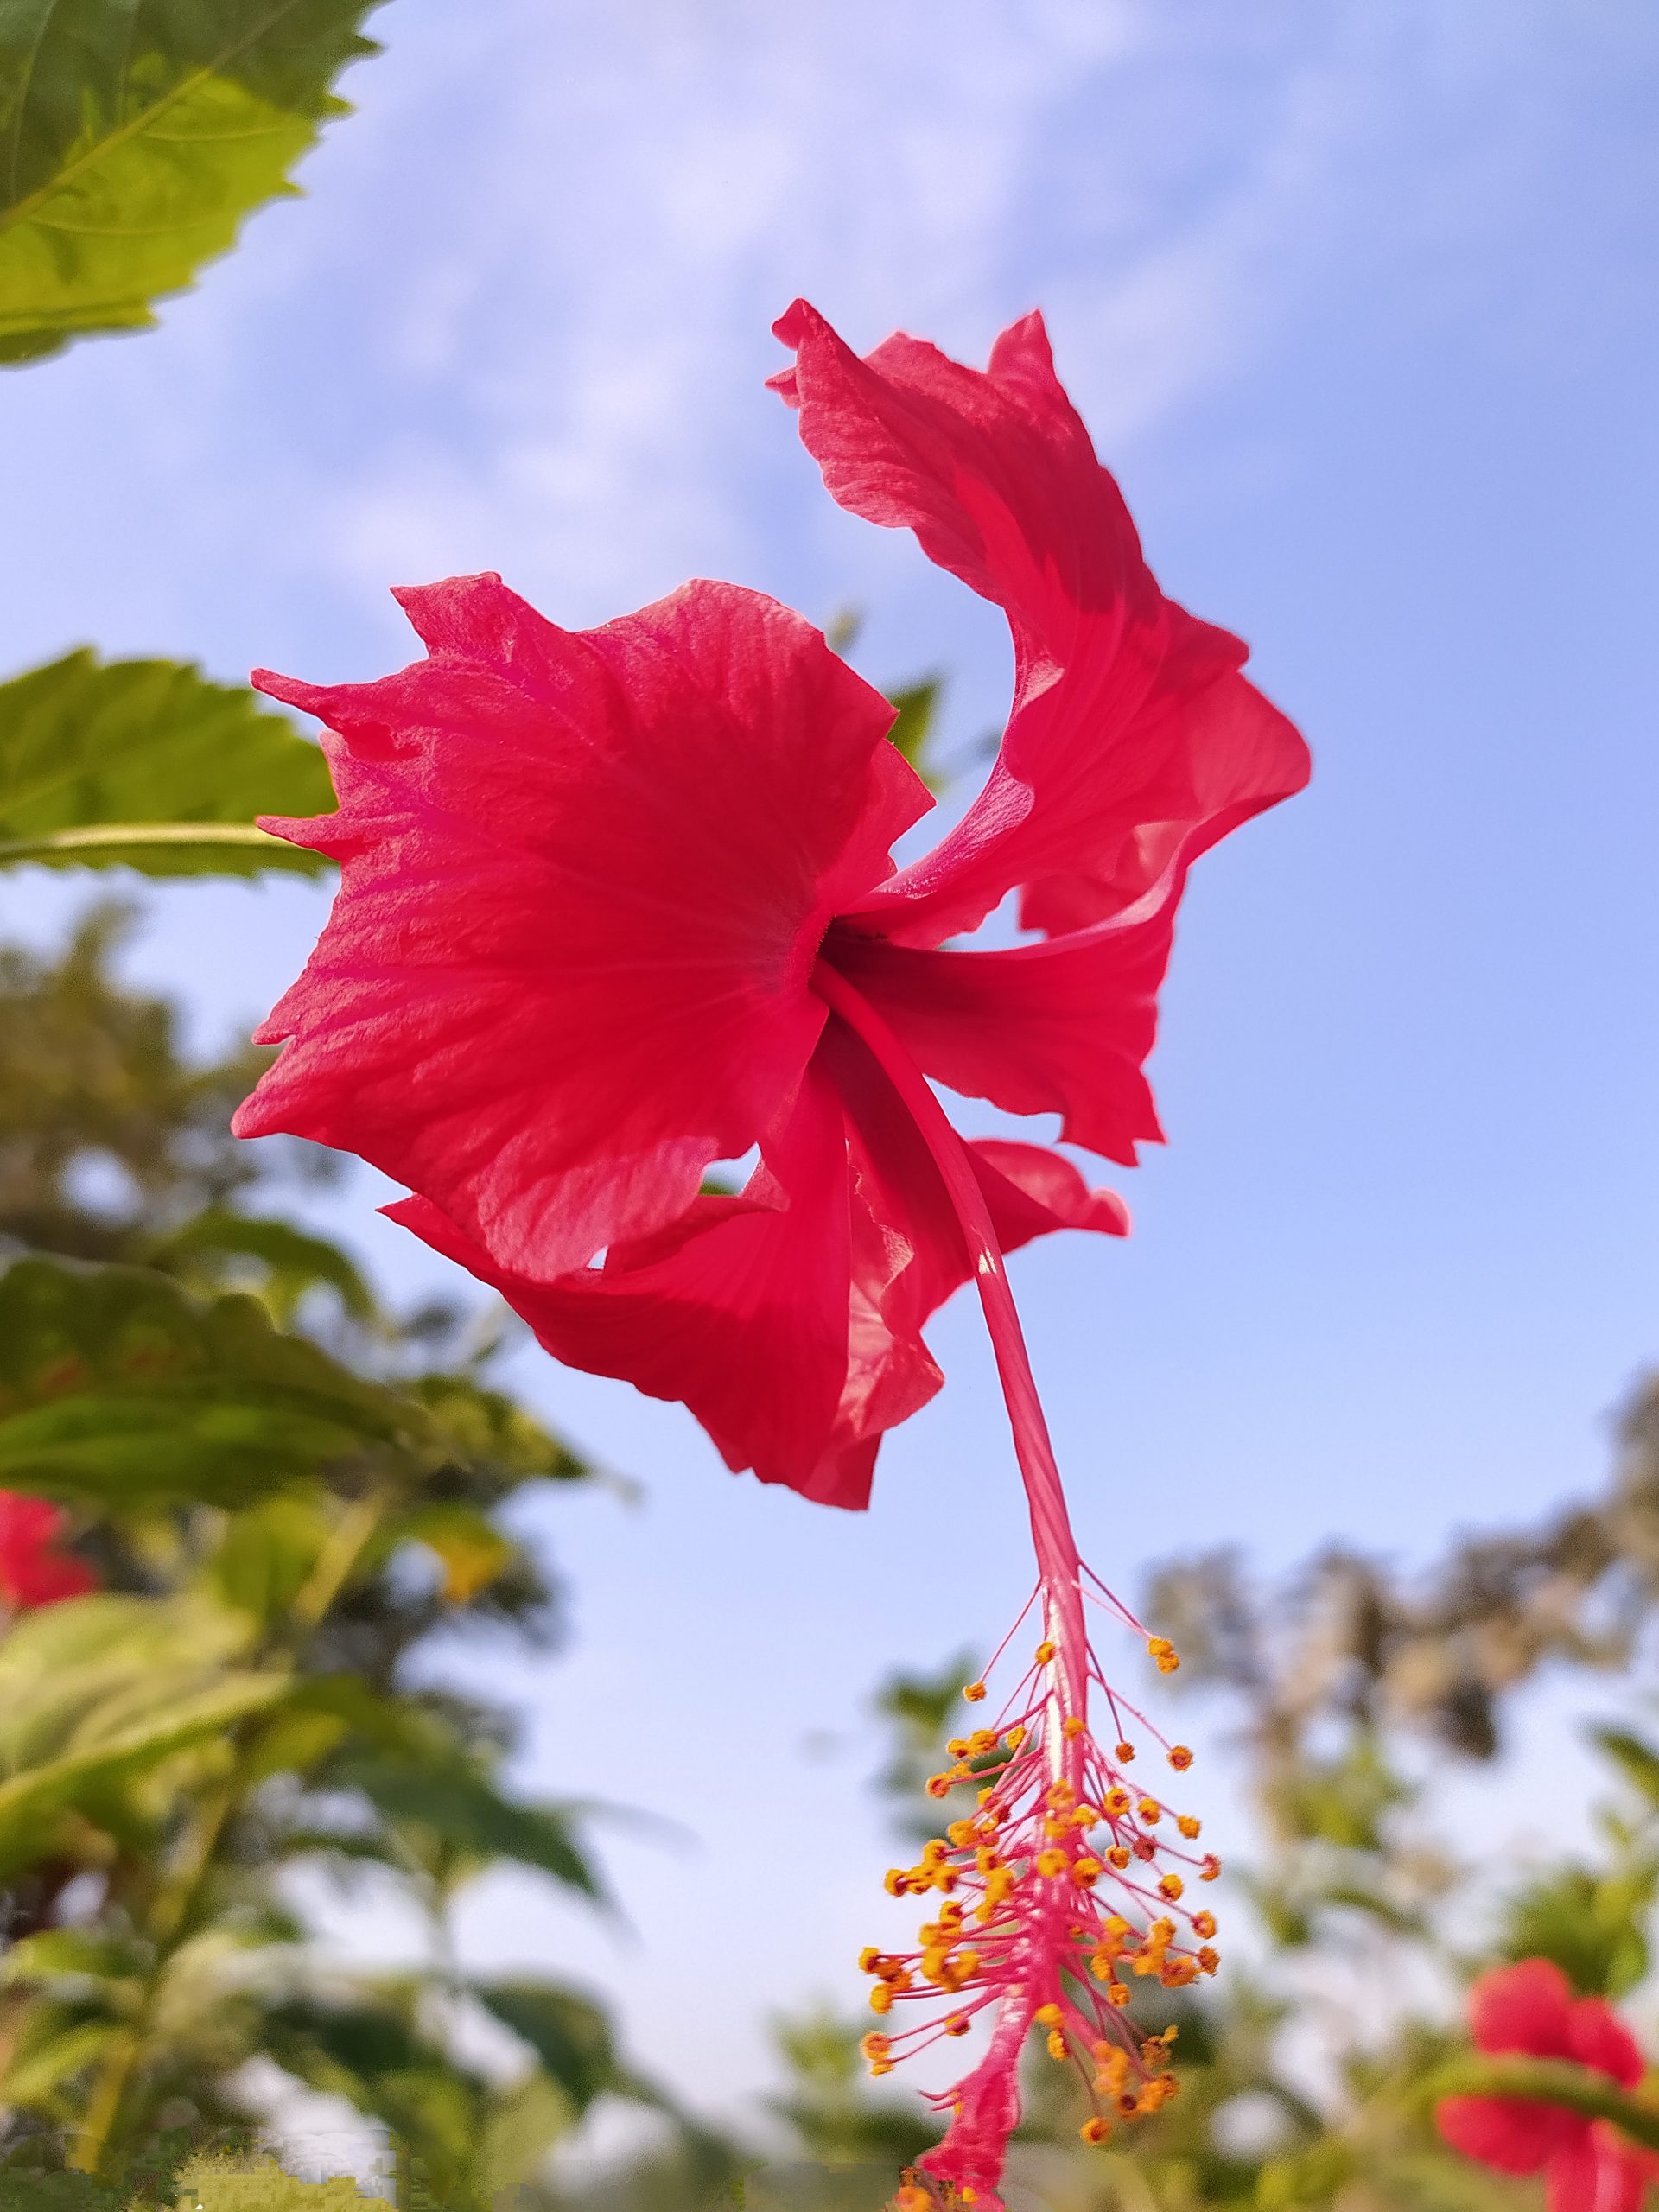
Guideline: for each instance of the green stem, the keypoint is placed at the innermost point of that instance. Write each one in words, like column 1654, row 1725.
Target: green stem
column 1556, row 2081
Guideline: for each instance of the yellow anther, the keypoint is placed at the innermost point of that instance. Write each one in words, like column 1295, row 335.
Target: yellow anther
column 1178, row 1972
column 1116, row 1803
column 1057, row 2045
column 898, row 1882
column 975, row 1692
column 958, row 1746
column 881, row 1998
column 1048, row 2016
column 1118, row 1856
column 869, row 1960
column 983, row 1740
column 1086, row 1872
column 1180, row 1757
column 1061, row 1795
column 1161, row 1931
column 1163, row 1652
column 1045, row 1652
column 961, row 1833
column 939, row 1785
column 1171, row 1885
column 910, row 2199
column 1150, row 1811
column 986, row 1859
column 1210, row 1869
column 1096, row 2131
column 1125, row 1753
column 1204, row 1924
column 1051, row 1862
column 1209, row 1960
column 955, row 2024
column 1189, row 1827
column 1117, row 1992
column 1074, row 1726
column 1015, row 1737
column 935, row 1962
column 935, row 1851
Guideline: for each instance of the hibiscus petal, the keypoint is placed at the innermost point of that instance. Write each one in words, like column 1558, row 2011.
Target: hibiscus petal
column 1134, row 741
column 1528, row 2006
column 739, row 1311
column 1061, row 1026
column 1597, row 2037
column 1509, row 2132
column 584, row 878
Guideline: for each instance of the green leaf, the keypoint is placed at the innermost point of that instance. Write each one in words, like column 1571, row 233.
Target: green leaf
column 30, row 1800
column 1639, row 1762
column 568, row 2033
column 145, row 764
column 466, row 1811
column 918, row 705
column 116, row 1386
column 485, row 1428
column 136, row 135
column 24, row 2192
column 290, row 1261
column 260, row 2185
column 43, row 2061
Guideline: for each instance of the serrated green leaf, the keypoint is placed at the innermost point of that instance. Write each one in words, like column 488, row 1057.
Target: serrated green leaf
column 134, row 137
column 148, row 765
column 568, row 2033
column 116, row 1385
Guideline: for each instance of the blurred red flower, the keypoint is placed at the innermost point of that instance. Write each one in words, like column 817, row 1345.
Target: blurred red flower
column 32, row 1571
column 1589, row 2166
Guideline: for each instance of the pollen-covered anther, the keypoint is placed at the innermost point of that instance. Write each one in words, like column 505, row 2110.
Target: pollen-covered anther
column 1189, row 1827
column 1115, row 1803
column 1052, row 1862
column 1048, row 2016
column 1086, row 1872
column 1163, row 1654
column 1096, row 2131
column 957, row 2023
column 1208, row 1959
column 1045, row 1652
column 1119, row 1856
column 1181, row 1757
column 1171, row 1886
column 1210, row 1868
column 1057, row 2045
column 1150, row 1811
column 1204, row 1924
column 1073, row 1726
column 975, row 1692
column 1125, row 1752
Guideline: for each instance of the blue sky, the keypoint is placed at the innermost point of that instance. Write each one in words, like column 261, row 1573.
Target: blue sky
column 1357, row 301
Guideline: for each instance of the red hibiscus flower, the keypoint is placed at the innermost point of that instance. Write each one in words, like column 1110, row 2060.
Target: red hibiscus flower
column 32, row 1571
column 618, row 905
column 1589, row 2165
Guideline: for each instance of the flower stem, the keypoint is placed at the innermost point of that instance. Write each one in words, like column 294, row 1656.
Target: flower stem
column 1058, row 1562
